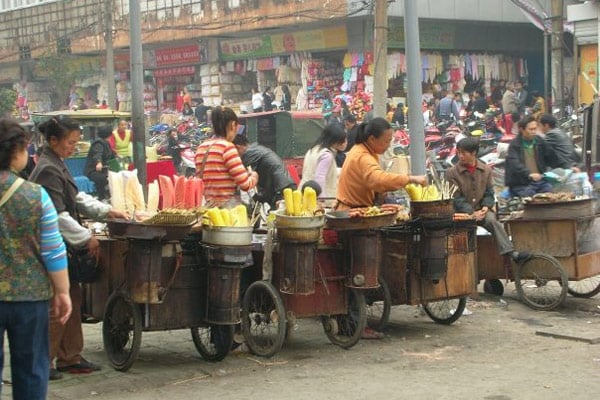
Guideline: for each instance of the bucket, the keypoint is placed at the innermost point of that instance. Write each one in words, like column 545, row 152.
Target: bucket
column 363, row 250
column 225, row 264
column 146, row 260
column 432, row 209
column 434, row 254
column 224, row 294
column 297, row 261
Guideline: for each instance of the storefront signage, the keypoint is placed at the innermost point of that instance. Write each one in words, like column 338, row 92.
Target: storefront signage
column 281, row 43
column 174, row 71
column 178, row 55
column 589, row 66
column 431, row 35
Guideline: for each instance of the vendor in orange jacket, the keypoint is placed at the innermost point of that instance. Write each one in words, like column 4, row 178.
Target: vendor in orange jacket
column 362, row 176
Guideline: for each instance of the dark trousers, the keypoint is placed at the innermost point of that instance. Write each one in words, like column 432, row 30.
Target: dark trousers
column 531, row 189
column 100, row 179
column 495, row 227
column 26, row 323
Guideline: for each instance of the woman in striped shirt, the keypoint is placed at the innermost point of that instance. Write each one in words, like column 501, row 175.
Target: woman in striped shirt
column 218, row 162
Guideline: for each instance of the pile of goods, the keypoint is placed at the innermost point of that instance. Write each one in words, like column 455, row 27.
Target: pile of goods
column 552, row 197
column 362, row 212
column 420, row 193
column 236, row 216
column 301, row 204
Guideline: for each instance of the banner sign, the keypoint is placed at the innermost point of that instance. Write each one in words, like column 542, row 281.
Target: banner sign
column 174, row 71
column 178, row 55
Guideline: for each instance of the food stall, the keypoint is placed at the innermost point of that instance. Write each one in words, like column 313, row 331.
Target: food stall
column 562, row 236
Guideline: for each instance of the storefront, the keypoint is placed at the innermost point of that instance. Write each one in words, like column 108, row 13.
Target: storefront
column 309, row 60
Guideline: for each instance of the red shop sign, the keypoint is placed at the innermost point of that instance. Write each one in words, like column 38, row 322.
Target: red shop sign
column 178, row 55
column 175, row 71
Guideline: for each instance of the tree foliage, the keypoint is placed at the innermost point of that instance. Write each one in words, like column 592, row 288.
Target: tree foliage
column 61, row 72
column 8, row 100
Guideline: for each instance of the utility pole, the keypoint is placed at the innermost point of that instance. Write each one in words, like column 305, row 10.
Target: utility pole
column 557, row 56
column 412, row 42
column 110, row 55
column 380, row 42
column 137, row 88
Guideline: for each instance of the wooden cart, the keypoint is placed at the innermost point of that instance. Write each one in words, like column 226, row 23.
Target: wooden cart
column 566, row 258
column 425, row 262
column 157, row 278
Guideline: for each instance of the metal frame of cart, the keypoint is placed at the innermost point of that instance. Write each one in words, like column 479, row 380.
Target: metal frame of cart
column 153, row 279
column 565, row 258
column 405, row 278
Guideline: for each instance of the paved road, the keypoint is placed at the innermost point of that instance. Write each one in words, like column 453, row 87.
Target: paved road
column 494, row 354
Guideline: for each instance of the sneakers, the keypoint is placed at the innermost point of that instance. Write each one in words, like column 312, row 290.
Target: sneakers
column 54, row 374
column 369, row 333
column 83, row 367
column 520, row 256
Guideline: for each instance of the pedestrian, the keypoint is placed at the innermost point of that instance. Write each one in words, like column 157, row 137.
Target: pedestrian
column 475, row 195
column 187, row 112
column 257, row 100
column 174, row 149
column 62, row 134
column 201, row 112
column 97, row 162
column 121, row 139
column 267, row 99
column 526, row 161
column 33, row 269
column 562, row 151
column 319, row 161
column 274, row 176
column 286, row 98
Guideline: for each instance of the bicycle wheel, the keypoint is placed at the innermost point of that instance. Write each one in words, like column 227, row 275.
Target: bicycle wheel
column 345, row 330
column 541, row 282
column 493, row 286
column 445, row 311
column 379, row 304
column 585, row 288
column 263, row 319
column 121, row 331
column 213, row 342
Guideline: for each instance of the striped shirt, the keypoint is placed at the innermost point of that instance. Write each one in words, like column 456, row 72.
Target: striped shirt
column 52, row 246
column 223, row 171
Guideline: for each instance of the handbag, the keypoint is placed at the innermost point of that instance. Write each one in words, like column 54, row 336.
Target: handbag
column 83, row 267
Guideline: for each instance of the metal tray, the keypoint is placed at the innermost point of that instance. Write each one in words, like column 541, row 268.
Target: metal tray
column 125, row 229
column 341, row 221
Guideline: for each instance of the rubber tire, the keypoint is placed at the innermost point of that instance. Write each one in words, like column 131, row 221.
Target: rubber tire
column 528, row 268
column 260, row 301
column 378, row 316
column 354, row 321
column 122, row 317
column 493, row 286
column 450, row 313
column 576, row 292
column 221, row 335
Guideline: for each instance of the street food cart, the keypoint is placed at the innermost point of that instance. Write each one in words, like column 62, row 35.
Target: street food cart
column 563, row 240
column 308, row 279
column 162, row 277
column 429, row 261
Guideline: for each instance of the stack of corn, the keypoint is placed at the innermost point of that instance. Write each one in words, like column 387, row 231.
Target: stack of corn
column 420, row 193
column 299, row 204
column 236, row 216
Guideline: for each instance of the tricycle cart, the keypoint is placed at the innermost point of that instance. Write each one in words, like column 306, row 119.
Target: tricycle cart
column 565, row 258
column 161, row 278
column 311, row 279
column 429, row 262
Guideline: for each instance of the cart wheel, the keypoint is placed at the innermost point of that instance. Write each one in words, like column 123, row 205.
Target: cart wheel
column 445, row 311
column 213, row 342
column 585, row 288
column 541, row 282
column 263, row 319
column 379, row 304
column 121, row 331
column 345, row 330
column 493, row 286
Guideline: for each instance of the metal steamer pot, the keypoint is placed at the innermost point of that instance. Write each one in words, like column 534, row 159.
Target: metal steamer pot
column 299, row 229
column 227, row 235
